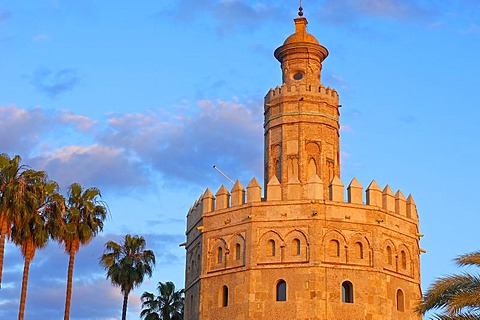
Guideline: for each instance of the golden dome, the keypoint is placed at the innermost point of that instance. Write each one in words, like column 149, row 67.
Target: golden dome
column 301, row 34
column 301, row 37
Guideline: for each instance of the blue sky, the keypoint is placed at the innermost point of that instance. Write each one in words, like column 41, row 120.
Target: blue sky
column 142, row 98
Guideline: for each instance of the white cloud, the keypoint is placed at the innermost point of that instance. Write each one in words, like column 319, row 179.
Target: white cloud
column 82, row 123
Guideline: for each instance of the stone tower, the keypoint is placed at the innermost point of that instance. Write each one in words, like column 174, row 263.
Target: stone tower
column 302, row 251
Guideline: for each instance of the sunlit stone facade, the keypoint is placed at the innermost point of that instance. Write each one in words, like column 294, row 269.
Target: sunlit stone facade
column 309, row 248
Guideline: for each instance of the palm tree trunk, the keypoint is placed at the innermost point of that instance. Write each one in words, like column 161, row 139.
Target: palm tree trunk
column 125, row 303
column 3, row 233
column 68, row 299
column 2, row 252
column 26, row 267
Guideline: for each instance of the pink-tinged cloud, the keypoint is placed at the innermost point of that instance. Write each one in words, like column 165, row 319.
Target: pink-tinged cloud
column 21, row 130
column 129, row 150
column 82, row 123
column 95, row 165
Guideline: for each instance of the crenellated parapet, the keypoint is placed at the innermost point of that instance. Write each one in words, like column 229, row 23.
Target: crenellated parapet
column 322, row 93
column 384, row 199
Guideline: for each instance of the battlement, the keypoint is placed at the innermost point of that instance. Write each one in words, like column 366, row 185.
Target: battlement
column 326, row 93
column 385, row 199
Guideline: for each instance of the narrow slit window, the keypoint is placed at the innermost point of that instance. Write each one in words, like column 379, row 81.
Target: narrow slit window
column 389, row 255
column 403, row 257
column 347, row 292
column 358, row 250
column 224, row 296
column 296, row 247
column 271, row 248
column 237, row 251
column 219, row 255
column 281, row 294
column 400, row 301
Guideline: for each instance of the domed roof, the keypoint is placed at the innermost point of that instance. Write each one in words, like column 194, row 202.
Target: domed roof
column 301, row 37
column 301, row 34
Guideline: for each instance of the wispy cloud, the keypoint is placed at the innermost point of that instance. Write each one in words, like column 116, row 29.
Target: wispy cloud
column 4, row 15
column 349, row 12
column 54, row 83
column 232, row 14
column 40, row 37
column 82, row 123
column 472, row 28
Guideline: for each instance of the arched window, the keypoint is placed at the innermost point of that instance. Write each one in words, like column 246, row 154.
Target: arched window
column 347, row 292
column 400, row 301
column 403, row 257
column 271, row 248
column 219, row 255
column 296, row 247
column 281, row 294
column 334, row 248
column 389, row 255
column 237, row 251
column 223, row 296
column 358, row 247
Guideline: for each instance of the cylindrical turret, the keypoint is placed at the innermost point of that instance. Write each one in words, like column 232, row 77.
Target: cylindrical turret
column 301, row 119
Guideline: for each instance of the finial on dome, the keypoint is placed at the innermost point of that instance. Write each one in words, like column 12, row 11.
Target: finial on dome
column 300, row 10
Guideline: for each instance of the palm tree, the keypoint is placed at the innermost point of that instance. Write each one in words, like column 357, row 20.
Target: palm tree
column 168, row 305
column 11, row 177
column 457, row 296
column 30, row 225
column 127, row 264
column 83, row 220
